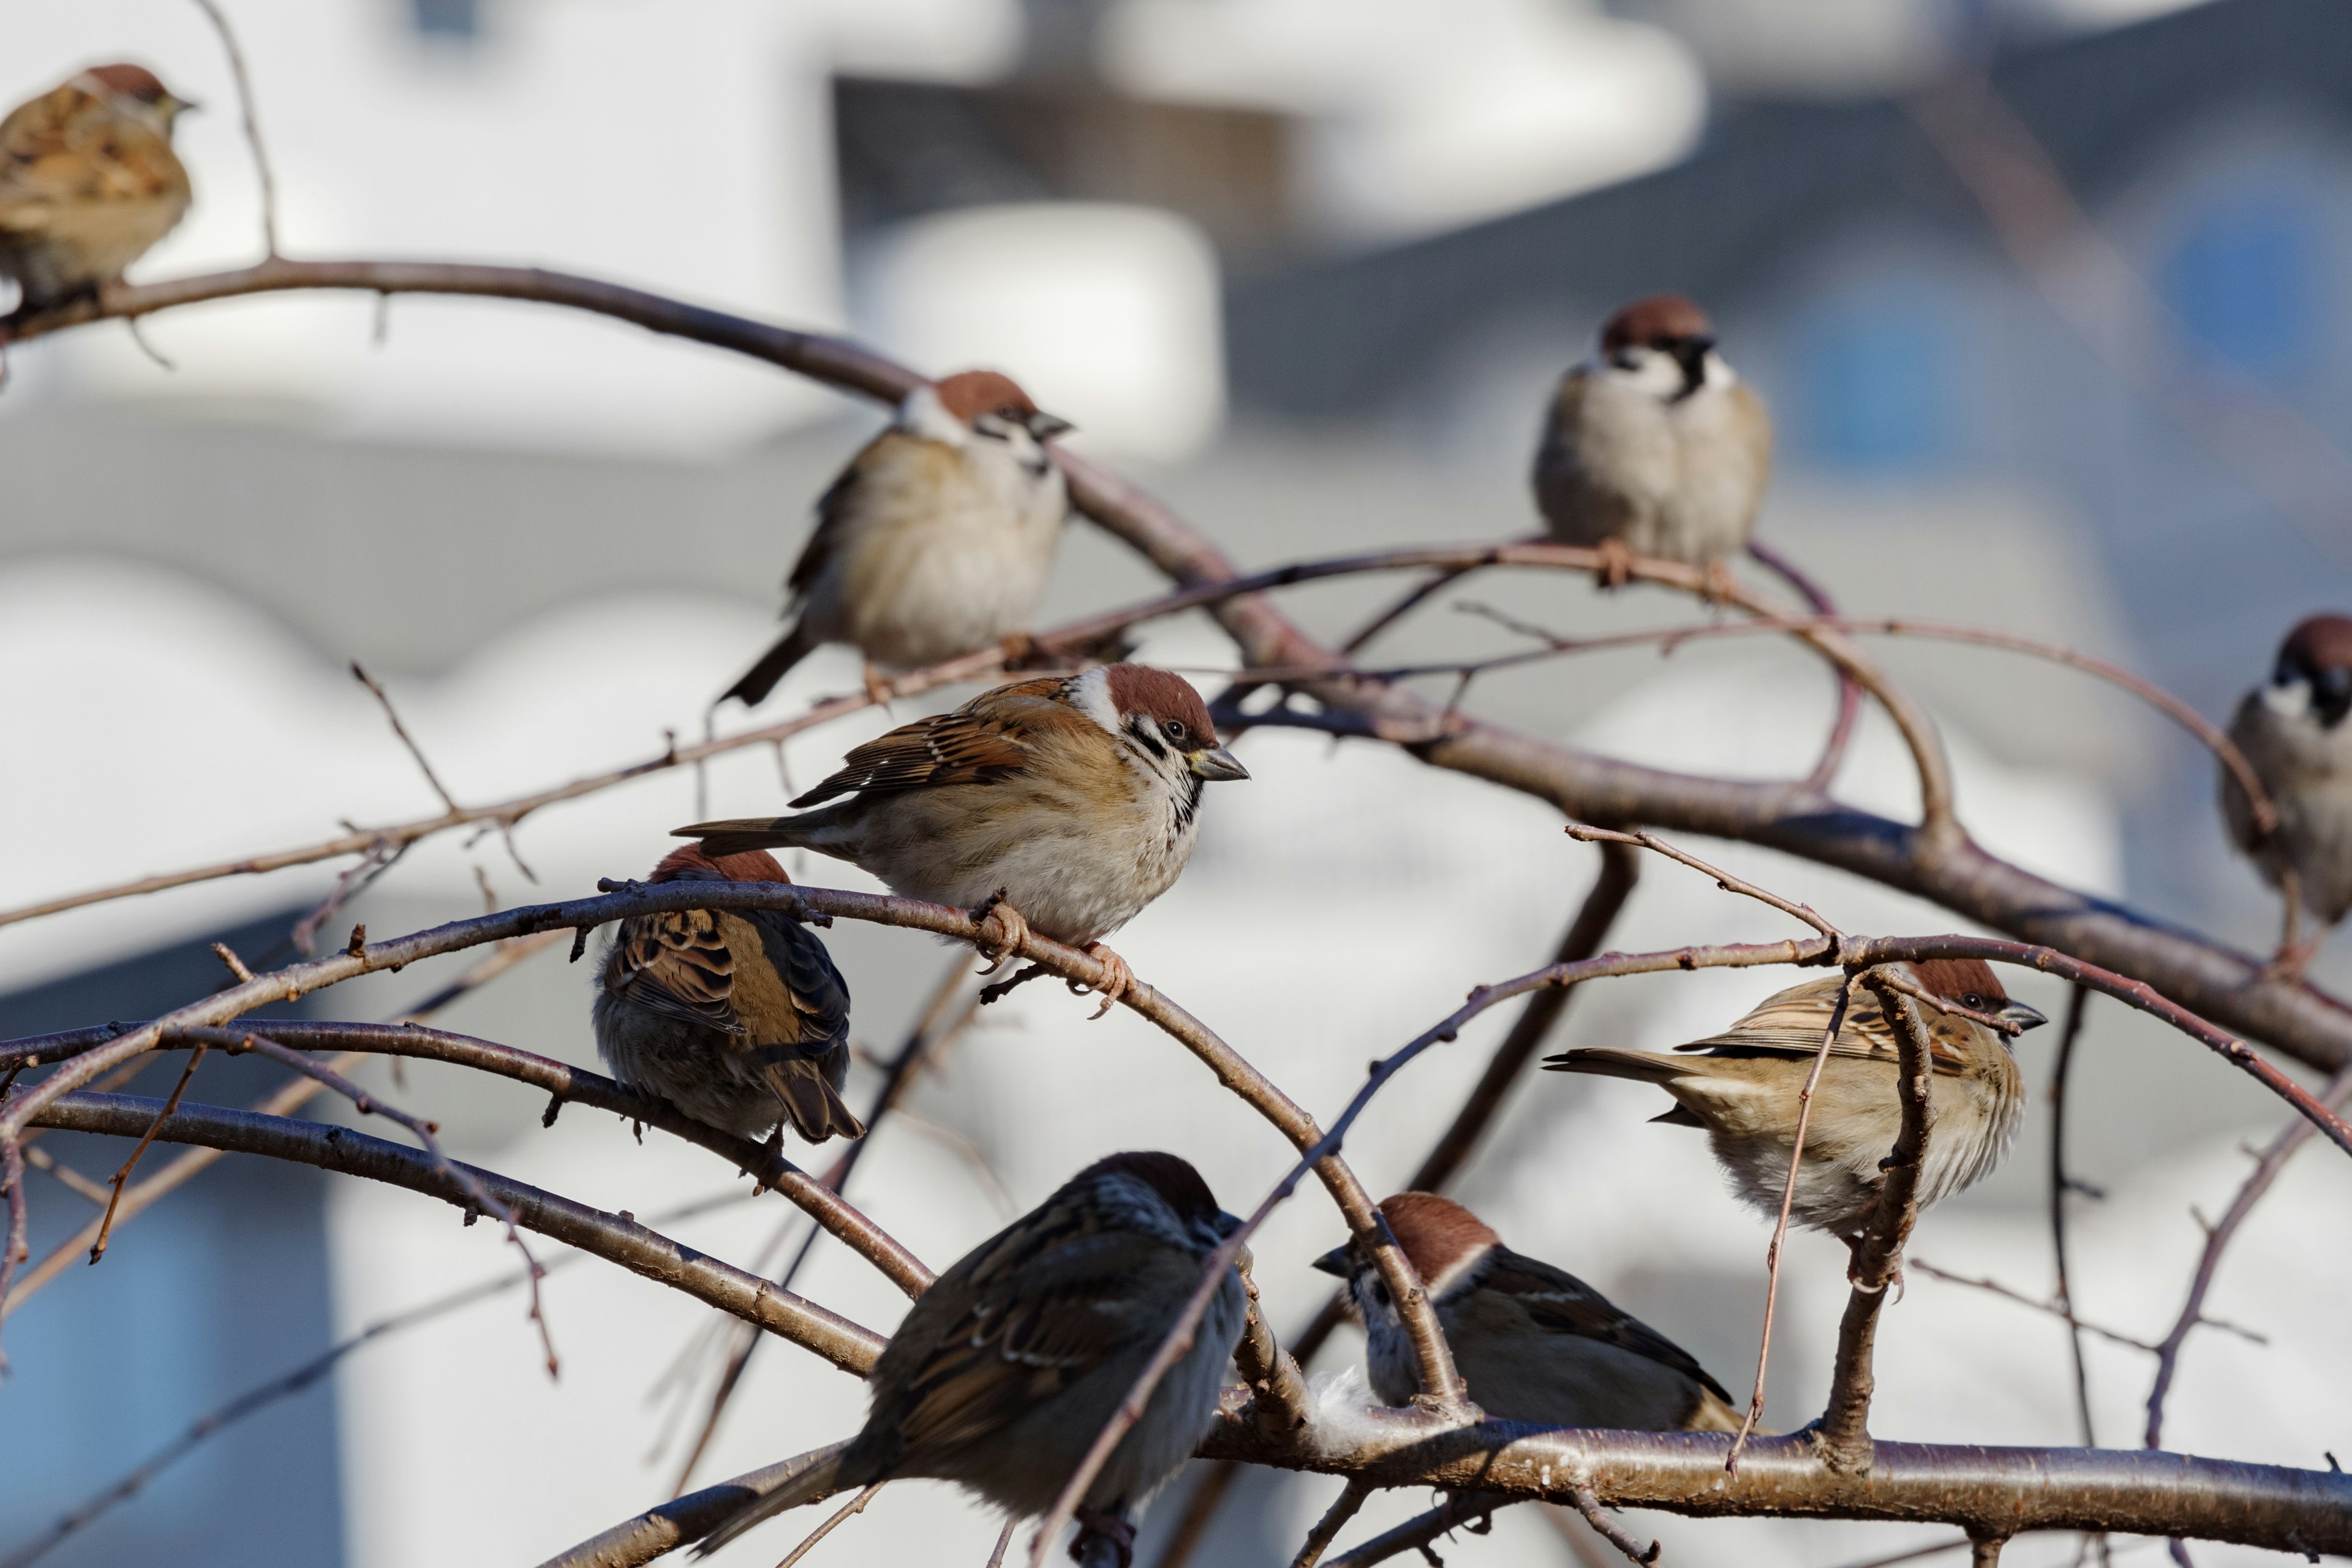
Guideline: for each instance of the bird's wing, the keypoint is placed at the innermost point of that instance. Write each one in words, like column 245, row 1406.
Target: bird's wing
column 811, row 1006
column 833, row 522
column 985, row 740
column 54, row 160
column 1559, row 1303
column 1043, row 1305
column 1790, row 1023
column 675, row 963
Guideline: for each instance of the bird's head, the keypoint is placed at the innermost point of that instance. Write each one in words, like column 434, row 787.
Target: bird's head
column 1442, row 1240
column 137, row 91
column 2312, row 681
column 1666, row 344
column 1159, row 715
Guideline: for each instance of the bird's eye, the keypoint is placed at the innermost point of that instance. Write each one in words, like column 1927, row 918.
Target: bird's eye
column 1176, row 729
column 1973, row 1001
column 1010, row 412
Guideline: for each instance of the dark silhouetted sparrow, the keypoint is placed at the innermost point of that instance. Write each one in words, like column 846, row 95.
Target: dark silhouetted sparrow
column 735, row 1016
column 2293, row 735
column 1653, row 446
column 1077, row 798
column 1009, row 1365
column 935, row 540
column 88, row 182
column 1533, row 1343
column 1742, row 1088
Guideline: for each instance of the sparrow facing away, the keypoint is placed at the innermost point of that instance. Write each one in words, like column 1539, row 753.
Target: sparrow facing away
column 1534, row 1343
column 1742, row 1088
column 1076, row 798
column 1653, row 446
column 1005, row 1370
column 735, row 1016
column 2293, row 735
column 88, row 182
column 935, row 540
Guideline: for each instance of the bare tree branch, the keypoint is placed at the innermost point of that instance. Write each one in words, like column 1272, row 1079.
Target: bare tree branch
column 612, row 1237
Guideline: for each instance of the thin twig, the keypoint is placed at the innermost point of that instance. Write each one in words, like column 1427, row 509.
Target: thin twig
column 1589, row 1504
column 848, row 1510
column 105, row 1226
column 1584, row 833
column 1780, row 1224
column 252, row 129
column 1004, row 1543
column 2266, row 1170
column 2054, row 1308
column 2078, row 1007
column 1335, row 1519
column 1464, row 1509
column 416, row 751
column 286, row 1384
column 41, row 1160
column 1849, row 696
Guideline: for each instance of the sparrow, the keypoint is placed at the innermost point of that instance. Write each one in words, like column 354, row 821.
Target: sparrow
column 1005, row 1370
column 2293, row 735
column 1533, row 1343
column 1653, row 446
column 935, row 540
column 1062, row 804
column 1742, row 1088
column 88, row 182
column 735, row 1016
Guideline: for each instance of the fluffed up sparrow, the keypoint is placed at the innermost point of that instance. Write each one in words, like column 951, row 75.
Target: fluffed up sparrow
column 1653, row 446
column 935, row 540
column 88, row 182
column 735, row 1016
column 1533, row 1343
column 2293, row 735
column 1741, row 1087
column 1005, row 1370
column 1065, row 803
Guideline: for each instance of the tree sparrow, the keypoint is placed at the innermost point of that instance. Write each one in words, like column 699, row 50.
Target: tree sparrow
column 1534, row 1344
column 1005, row 1370
column 935, row 540
column 1065, row 803
column 1743, row 1085
column 2293, row 733
column 1653, row 446
column 737, row 1018
column 88, row 182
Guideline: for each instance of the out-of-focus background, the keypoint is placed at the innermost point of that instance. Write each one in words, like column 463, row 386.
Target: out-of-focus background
column 1306, row 267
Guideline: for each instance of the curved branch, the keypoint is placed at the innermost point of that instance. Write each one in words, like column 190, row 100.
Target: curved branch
column 565, row 1083
column 614, row 1238
column 2225, row 986
column 583, row 915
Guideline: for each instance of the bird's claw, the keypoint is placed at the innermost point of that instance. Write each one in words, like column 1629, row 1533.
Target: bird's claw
column 878, row 687
column 1110, row 1527
column 1020, row 650
column 999, row 931
column 1117, row 979
column 1718, row 587
column 2292, row 958
column 1616, row 563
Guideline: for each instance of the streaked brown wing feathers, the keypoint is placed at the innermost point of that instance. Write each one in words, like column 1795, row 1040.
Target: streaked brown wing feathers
column 675, row 963
column 982, row 742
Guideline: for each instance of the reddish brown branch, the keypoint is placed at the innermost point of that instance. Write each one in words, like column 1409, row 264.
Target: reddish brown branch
column 612, row 1237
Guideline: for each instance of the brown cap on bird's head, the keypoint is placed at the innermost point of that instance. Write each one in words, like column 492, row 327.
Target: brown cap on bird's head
column 1658, row 320
column 2317, row 643
column 131, row 81
column 690, row 863
column 970, row 393
column 1972, row 983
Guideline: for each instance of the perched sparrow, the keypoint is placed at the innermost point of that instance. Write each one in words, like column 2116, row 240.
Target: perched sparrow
column 735, row 1016
column 88, row 182
column 1654, row 447
column 935, row 540
column 1533, row 1343
column 1743, row 1087
column 2294, row 734
column 1066, row 804
column 1006, row 1368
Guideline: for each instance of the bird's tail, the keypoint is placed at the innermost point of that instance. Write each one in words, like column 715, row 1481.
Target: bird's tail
column 774, row 665
column 822, row 1477
column 812, row 1104
column 736, row 834
column 1614, row 1061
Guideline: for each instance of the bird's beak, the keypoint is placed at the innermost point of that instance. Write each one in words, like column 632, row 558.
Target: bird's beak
column 1338, row 1261
column 2023, row 1017
column 1046, row 427
column 179, row 106
column 1215, row 762
column 1690, row 353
